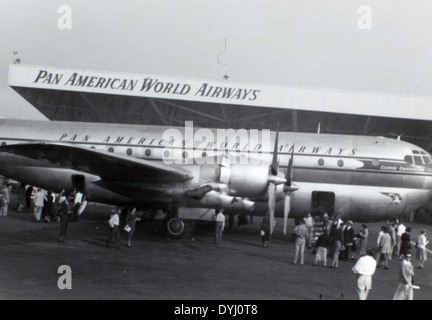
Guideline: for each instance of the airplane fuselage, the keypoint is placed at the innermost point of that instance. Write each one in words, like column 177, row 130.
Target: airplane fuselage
column 359, row 177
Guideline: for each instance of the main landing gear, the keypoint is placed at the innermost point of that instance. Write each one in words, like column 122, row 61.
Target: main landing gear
column 175, row 227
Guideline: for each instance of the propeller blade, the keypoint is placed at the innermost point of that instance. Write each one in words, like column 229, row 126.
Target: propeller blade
column 275, row 163
column 272, row 204
column 289, row 172
column 287, row 207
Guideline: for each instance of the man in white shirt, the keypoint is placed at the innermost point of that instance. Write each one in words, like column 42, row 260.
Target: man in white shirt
column 77, row 203
column 364, row 269
column 220, row 226
column 114, row 234
column 309, row 223
column 301, row 233
column 422, row 242
column 39, row 198
column 399, row 232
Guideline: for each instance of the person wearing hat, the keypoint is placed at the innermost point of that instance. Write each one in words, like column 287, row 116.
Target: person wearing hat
column 404, row 290
column 421, row 249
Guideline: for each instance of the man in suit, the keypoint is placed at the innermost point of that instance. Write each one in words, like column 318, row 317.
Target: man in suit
column 348, row 241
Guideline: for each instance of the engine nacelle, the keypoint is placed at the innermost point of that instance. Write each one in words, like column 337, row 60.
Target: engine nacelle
column 214, row 199
column 249, row 181
column 243, row 204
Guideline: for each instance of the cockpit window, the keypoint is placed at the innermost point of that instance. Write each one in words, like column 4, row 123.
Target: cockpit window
column 427, row 160
column 418, row 160
column 409, row 159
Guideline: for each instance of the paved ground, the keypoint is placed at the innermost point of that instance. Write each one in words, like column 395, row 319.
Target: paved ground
column 157, row 267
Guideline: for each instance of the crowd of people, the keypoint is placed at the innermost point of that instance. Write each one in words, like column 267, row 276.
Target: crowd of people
column 331, row 237
column 45, row 204
column 337, row 240
column 328, row 237
column 63, row 208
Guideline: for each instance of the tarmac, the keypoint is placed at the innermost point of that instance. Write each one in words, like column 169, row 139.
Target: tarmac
column 161, row 268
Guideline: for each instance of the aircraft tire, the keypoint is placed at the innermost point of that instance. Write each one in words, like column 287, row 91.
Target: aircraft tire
column 175, row 227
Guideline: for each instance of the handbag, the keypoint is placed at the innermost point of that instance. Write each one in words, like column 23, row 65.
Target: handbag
column 127, row 228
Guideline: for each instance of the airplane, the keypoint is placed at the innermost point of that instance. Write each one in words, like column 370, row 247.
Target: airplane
column 361, row 178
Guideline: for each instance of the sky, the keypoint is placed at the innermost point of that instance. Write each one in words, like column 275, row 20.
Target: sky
column 305, row 43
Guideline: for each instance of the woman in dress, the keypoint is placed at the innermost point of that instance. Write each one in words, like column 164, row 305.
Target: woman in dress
column 363, row 238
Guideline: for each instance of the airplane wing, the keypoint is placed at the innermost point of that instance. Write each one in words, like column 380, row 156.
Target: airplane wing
column 107, row 165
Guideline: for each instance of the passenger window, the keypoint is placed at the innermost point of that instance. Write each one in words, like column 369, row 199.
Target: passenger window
column 418, row 160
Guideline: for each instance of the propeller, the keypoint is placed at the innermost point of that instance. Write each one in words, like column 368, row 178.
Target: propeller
column 274, row 181
column 288, row 188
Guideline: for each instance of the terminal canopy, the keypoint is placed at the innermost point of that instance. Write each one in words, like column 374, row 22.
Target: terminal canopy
column 93, row 96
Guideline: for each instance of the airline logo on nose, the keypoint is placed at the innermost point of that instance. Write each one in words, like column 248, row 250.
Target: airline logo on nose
column 395, row 197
